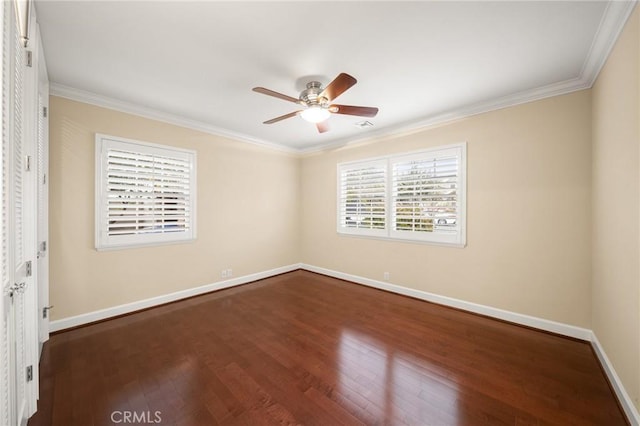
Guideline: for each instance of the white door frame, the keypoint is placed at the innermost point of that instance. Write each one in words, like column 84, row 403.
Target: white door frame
column 26, row 215
column 42, row 123
column 32, row 208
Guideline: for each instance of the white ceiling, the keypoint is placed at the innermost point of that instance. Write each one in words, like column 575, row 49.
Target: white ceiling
column 195, row 63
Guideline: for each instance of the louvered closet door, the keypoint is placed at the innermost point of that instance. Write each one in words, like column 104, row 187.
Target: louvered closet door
column 14, row 391
column 16, row 215
column 7, row 352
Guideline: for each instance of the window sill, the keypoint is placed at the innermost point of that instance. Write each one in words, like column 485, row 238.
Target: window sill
column 403, row 240
column 144, row 245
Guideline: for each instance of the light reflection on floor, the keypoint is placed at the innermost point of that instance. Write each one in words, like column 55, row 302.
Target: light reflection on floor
column 375, row 379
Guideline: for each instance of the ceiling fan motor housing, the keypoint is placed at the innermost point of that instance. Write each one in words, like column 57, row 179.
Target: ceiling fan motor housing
column 311, row 95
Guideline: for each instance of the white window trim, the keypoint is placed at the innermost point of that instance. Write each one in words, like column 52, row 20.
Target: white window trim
column 389, row 233
column 104, row 242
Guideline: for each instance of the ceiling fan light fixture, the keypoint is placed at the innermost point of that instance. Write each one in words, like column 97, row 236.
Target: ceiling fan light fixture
column 315, row 114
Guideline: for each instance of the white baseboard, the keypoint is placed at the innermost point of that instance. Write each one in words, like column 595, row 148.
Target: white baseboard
column 539, row 323
column 102, row 314
column 625, row 400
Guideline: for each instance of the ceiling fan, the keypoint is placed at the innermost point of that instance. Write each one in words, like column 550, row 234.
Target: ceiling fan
column 317, row 102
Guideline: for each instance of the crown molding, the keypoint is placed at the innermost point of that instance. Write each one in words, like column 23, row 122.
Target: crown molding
column 613, row 20
column 407, row 128
column 616, row 15
column 551, row 90
column 87, row 97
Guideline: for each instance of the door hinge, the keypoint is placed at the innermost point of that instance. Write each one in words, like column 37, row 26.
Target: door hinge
column 44, row 112
column 45, row 311
column 29, row 373
column 29, row 58
column 27, row 163
column 42, row 249
column 29, row 268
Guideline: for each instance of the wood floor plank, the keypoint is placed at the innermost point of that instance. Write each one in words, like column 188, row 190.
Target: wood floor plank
column 302, row 348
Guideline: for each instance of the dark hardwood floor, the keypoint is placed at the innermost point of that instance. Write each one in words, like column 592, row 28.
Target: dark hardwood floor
column 302, row 348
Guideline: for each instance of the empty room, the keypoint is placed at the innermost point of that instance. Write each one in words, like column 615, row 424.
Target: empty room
column 320, row 213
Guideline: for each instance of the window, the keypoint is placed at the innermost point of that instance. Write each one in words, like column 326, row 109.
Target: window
column 145, row 193
column 418, row 196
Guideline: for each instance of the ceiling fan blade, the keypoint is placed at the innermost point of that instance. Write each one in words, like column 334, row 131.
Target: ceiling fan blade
column 323, row 126
column 282, row 117
column 354, row 110
column 338, row 86
column 276, row 94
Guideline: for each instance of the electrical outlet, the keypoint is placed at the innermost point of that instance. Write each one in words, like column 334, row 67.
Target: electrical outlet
column 386, row 276
column 223, row 274
column 229, row 273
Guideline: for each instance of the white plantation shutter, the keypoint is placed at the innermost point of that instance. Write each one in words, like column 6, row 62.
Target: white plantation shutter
column 417, row 196
column 146, row 195
column 362, row 198
column 426, row 196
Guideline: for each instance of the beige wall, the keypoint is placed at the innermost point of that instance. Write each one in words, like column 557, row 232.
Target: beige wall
column 616, row 200
column 247, row 213
column 528, row 202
